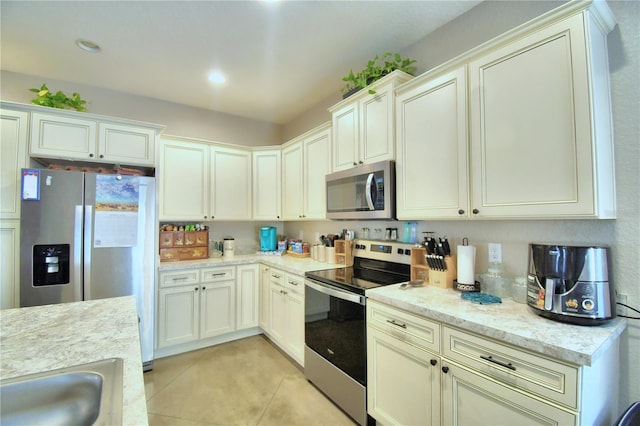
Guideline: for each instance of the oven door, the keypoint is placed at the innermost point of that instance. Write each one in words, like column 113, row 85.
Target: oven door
column 335, row 327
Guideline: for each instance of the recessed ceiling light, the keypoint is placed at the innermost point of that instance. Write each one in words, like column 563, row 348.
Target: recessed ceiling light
column 217, row 77
column 87, row 45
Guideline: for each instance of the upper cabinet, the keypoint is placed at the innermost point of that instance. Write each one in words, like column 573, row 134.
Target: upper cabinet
column 305, row 162
column 538, row 123
column 363, row 124
column 91, row 138
column 200, row 182
column 541, row 138
column 432, row 147
column 267, row 182
column 13, row 157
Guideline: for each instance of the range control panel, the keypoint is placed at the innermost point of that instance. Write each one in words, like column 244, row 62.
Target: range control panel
column 390, row 251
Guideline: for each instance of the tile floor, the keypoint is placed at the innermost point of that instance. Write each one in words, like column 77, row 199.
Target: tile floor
column 246, row 382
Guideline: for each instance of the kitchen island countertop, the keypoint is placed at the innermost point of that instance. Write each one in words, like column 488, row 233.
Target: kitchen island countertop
column 508, row 322
column 43, row 338
column 288, row 263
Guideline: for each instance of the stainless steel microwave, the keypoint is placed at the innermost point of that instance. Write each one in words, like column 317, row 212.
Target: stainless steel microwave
column 363, row 192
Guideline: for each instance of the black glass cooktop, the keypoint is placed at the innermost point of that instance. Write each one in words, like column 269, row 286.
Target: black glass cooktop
column 364, row 275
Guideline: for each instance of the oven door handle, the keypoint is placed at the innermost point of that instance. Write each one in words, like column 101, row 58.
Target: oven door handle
column 351, row 297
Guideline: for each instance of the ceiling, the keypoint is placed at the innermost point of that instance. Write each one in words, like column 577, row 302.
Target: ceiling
column 280, row 58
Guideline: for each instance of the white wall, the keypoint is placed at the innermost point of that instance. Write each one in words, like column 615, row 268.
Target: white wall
column 623, row 234
column 180, row 120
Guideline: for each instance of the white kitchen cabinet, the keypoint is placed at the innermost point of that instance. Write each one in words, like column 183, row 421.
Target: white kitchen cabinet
column 200, row 182
column 13, row 157
column 402, row 354
column 9, row 263
column 287, row 313
column 230, row 184
column 184, row 180
column 305, row 162
column 469, row 398
column 432, row 166
column 247, row 296
column 363, row 124
column 541, row 135
column 267, row 184
column 89, row 138
column 199, row 304
column 265, row 298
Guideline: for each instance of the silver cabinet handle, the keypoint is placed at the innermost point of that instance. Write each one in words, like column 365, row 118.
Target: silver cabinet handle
column 397, row 324
column 180, row 278
column 500, row 363
column 293, row 282
column 220, row 274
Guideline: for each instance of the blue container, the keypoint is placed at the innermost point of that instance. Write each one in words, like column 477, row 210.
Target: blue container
column 268, row 238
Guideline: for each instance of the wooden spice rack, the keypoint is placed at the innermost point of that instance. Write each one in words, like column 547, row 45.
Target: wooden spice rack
column 184, row 245
column 343, row 252
column 420, row 270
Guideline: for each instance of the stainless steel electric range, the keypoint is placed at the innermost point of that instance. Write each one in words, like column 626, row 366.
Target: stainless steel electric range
column 335, row 356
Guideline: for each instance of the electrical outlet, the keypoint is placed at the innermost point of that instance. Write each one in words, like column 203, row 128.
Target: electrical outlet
column 495, row 253
column 622, row 298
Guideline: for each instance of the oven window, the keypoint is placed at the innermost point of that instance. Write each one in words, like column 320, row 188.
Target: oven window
column 335, row 329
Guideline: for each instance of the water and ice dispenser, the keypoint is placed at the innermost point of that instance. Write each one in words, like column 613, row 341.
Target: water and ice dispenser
column 51, row 264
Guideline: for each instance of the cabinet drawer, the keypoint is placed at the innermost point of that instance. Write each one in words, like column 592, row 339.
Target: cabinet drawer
column 404, row 326
column 276, row 276
column 517, row 367
column 219, row 274
column 294, row 283
column 178, row 278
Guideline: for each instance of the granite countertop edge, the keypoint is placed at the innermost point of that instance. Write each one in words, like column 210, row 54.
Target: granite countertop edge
column 507, row 322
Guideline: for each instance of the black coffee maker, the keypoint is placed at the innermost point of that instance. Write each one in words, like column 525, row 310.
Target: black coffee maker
column 570, row 283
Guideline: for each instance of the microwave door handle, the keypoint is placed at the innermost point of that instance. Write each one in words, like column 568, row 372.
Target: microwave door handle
column 370, row 183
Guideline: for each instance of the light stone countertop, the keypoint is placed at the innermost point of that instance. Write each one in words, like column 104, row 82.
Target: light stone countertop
column 508, row 322
column 49, row 337
column 291, row 264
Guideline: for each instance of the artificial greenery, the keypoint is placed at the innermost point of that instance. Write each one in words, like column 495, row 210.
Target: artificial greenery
column 58, row 100
column 377, row 68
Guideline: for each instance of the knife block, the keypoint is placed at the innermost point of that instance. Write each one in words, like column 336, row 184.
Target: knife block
column 421, row 271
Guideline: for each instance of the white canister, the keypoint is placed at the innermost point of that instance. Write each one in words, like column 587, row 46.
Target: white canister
column 229, row 248
column 321, row 254
column 330, row 254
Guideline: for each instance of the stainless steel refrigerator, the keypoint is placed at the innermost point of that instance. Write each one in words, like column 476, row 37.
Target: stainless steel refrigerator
column 87, row 236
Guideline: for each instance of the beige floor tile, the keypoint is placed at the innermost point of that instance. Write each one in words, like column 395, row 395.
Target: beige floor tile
column 246, row 382
column 298, row 402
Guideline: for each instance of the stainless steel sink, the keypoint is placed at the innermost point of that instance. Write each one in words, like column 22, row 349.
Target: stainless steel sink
column 87, row 394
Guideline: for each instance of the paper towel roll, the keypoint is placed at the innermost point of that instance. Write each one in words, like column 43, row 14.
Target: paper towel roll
column 466, row 264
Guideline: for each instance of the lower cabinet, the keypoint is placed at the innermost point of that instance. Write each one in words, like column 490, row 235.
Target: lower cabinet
column 198, row 304
column 286, row 313
column 425, row 372
column 265, row 299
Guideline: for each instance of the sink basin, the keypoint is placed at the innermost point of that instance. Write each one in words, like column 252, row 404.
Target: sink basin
column 87, row 394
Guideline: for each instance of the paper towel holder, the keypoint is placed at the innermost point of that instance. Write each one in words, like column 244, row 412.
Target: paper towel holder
column 475, row 287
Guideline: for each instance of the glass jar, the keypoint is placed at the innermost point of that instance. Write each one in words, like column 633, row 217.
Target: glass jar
column 519, row 290
column 496, row 282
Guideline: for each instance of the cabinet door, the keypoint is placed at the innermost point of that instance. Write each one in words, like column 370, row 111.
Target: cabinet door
column 9, row 264
column 530, row 126
column 217, row 308
column 62, row 137
column 394, row 365
column 345, row 137
column 317, row 164
column 265, row 298
column 432, row 154
column 469, row 398
column 178, row 315
column 247, row 296
column 126, row 144
column 278, row 313
column 295, row 326
column 292, row 182
column 184, row 181
column 13, row 125
column 267, row 199
column 377, row 130
column 231, row 184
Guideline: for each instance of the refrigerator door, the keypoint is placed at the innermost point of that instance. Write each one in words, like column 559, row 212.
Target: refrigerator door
column 51, row 241
column 119, row 245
